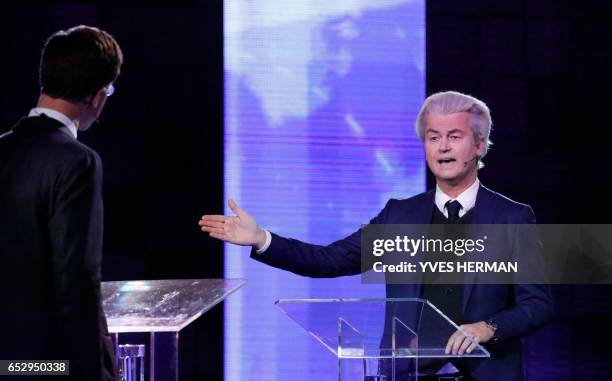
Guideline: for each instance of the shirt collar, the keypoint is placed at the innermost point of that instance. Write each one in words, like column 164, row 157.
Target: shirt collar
column 467, row 199
column 54, row 114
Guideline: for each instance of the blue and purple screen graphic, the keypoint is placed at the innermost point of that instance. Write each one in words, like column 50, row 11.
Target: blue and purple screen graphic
column 320, row 102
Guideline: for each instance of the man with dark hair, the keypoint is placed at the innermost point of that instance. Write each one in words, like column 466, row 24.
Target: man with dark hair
column 51, row 212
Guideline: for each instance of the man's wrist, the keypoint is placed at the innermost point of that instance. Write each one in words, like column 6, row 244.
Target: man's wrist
column 260, row 238
column 263, row 241
column 492, row 326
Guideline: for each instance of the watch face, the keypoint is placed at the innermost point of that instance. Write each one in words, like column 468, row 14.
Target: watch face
column 493, row 327
column 491, row 324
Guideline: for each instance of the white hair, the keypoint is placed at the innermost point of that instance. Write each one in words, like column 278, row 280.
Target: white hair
column 450, row 102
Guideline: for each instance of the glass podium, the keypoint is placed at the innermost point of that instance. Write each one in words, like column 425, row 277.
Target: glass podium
column 161, row 308
column 380, row 339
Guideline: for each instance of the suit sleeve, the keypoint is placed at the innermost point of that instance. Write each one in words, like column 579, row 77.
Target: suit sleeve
column 533, row 302
column 76, row 240
column 342, row 257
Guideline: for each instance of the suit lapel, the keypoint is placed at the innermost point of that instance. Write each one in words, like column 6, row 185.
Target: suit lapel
column 484, row 213
column 483, row 210
column 422, row 216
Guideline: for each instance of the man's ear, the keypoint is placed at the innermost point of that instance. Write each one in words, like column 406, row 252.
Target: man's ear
column 98, row 98
column 480, row 147
column 479, row 143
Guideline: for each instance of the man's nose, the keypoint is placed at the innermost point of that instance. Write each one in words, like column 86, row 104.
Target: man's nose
column 444, row 146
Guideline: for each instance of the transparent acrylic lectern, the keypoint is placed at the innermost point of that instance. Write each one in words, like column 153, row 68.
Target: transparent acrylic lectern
column 161, row 308
column 380, row 339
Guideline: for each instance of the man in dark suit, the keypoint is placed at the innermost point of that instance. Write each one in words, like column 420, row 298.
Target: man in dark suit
column 455, row 130
column 51, row 212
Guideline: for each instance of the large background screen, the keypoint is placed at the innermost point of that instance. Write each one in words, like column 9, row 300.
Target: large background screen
column 320, row 102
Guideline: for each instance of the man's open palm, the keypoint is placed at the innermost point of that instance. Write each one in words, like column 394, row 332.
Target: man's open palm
column 241, row 229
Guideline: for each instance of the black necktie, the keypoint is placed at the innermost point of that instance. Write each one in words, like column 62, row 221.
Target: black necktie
column 453, row 208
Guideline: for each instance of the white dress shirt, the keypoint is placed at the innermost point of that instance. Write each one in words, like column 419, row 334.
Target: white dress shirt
column 467, row 199
column 53, row 114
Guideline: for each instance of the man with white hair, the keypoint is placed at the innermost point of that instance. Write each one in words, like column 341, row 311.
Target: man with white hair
column 455, row 129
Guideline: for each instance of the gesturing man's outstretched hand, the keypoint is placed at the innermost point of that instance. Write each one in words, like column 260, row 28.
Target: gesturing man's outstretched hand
column 241, row 229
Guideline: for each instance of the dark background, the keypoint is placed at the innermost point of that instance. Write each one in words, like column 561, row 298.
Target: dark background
column 544, row 68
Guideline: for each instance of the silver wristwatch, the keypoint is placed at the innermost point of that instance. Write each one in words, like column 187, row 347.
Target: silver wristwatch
column 493, row 327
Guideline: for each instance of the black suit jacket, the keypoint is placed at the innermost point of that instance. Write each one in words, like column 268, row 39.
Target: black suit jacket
column 51, row 250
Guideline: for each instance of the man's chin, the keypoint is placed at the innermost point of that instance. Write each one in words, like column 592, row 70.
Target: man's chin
column 447, row 178
column 84, row 126
column 447, row 175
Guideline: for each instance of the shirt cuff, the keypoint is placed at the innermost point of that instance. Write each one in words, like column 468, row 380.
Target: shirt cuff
column 267, row 244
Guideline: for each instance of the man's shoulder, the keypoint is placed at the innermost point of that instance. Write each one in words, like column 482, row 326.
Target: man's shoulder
column 53, row 138
column 501, row 208
column 77, row 149
column 44, row 143
column 415, row 207
column 413, row 201
column 501, row 201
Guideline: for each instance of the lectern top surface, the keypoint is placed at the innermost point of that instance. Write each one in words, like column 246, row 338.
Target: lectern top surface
column 162, row 305
column 378, row 328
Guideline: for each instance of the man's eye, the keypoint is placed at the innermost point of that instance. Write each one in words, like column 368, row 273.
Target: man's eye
column 455, row 137
column 433, row 138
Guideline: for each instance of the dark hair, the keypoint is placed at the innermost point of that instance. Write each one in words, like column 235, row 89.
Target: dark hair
column 77, row 63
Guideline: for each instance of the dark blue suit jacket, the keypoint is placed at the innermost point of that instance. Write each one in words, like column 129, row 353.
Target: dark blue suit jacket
column 517, row 309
